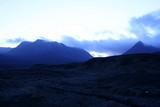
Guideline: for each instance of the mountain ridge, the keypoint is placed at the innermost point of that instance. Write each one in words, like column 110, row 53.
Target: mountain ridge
column 45, row 52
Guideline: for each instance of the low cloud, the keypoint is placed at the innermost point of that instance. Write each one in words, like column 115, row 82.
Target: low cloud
column 110, row 46
column 15, row 41
column 147, row 28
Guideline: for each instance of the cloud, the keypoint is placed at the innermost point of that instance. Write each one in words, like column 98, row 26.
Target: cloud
column 117, row 34
column 147, row 28
column 15, row 41
column 109, row 46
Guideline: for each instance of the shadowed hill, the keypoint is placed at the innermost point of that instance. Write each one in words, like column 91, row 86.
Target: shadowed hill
column 118, row 81
column 125, row 63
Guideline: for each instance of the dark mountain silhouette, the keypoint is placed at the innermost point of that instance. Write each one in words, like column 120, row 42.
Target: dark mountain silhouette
column 4, row 50
column 140, row 48
column 45, row 52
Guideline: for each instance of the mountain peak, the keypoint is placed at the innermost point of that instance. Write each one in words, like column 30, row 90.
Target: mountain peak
column 139, row 43
column 140, row 48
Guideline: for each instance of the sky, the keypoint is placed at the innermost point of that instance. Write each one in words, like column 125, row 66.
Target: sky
column 102, row 27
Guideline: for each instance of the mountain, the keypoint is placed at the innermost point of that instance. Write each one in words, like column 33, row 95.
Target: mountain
column 45, row 52
column 140, row 48
column 12, row 62
column 4, row 50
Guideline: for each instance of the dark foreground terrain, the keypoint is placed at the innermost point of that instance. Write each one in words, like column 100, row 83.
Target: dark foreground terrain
column 119, row 81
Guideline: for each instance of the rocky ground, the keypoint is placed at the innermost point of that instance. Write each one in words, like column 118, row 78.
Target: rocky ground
column 125, row 81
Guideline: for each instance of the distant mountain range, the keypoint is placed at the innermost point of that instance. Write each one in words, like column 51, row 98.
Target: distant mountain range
column 140, row 48
column 43, row 52
column 53, row 53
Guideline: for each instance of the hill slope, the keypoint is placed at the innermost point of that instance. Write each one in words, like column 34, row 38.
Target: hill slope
column 119, row 81
column 135, row 63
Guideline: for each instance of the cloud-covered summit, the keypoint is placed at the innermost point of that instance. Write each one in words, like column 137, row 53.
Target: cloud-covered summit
column 109, row 46
column 147, row 28
column 112, row 42
column 16, row 40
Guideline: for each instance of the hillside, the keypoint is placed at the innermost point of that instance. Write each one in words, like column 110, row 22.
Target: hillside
column 134, row 63
column 118, row 81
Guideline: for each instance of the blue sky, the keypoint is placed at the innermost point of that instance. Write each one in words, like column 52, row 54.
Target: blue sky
column 104, row 23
